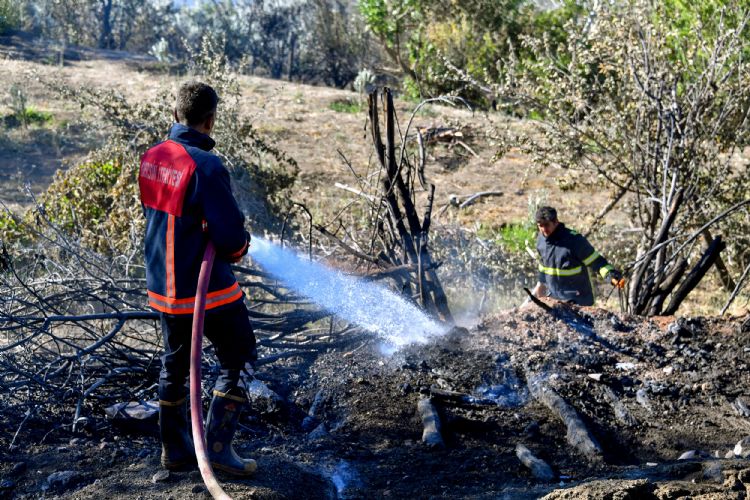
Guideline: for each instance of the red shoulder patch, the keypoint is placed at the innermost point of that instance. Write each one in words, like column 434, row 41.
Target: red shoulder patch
column 166, row 170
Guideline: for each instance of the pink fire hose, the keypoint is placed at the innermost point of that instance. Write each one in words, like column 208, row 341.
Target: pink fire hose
column 196, row 350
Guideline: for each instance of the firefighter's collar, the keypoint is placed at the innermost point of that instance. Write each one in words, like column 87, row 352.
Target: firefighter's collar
column 191, row 137
column 559, row 230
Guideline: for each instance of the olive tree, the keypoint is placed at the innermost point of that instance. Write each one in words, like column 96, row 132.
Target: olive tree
column 654, row 107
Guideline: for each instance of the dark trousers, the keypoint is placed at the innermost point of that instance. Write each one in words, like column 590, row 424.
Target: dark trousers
column 228, row 328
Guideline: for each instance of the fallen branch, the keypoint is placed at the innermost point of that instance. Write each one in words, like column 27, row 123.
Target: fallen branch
column 621, row 412
column 577, row 434
column 458, row 399
column 538, row 467
column 431, row 435
column 474, row 197
column 538, row 302
column 368, row 197
column 467, row 148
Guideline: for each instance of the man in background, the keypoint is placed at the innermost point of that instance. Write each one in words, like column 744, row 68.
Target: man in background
column 565, row 258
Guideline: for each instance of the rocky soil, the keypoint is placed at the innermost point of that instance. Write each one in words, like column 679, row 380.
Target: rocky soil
column 665, row 401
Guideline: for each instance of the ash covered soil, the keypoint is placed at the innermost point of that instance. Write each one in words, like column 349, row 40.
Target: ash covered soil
column 344, row 423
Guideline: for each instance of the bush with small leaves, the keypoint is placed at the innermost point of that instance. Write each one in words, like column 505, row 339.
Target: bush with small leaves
column 99, row 200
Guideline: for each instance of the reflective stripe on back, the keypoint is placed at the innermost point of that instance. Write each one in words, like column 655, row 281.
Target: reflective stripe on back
column 169, row 257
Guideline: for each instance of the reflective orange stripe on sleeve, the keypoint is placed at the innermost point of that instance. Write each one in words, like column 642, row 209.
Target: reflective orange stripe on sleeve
column 240, row 252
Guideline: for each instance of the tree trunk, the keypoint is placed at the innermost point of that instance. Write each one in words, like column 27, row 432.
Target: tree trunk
column 410, row 236
column 292, row 47
column 696, row 274
column 641, row 290
column 666, row 287
column 721, row 268
column 105, row 37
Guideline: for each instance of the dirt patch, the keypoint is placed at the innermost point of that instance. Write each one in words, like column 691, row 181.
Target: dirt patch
column 346, row 423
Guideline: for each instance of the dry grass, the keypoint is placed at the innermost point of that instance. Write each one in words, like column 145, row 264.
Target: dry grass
column 300, row 120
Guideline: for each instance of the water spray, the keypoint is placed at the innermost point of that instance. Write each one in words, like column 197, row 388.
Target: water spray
column 395, row 320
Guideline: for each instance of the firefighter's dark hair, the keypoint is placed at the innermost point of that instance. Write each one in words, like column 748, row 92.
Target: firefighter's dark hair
column 196, row 103
column 545, row 214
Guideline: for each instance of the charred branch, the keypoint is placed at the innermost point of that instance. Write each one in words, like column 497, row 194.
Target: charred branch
column 621, row 412
column 578, row 435
column 696, row 274
column 538, row 467
column 666, row 287
column 431, row 435
column 402, row 236
column 458, row 399
column 77, row 334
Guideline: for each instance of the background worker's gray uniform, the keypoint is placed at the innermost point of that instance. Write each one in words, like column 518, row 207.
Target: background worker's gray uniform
column 565, row 257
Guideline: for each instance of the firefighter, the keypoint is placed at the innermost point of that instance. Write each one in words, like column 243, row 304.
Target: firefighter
column 188, row 201
column 565, row 259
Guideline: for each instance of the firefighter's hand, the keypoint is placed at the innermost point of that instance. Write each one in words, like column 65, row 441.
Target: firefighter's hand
column 237, row 257
column 616, row 279
column 247, row 245
column 614, row 275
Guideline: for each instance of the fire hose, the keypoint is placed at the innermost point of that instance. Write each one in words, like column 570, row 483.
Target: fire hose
column 196, row 350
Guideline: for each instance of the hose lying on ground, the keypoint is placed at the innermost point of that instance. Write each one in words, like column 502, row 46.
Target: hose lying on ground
column 196, row 350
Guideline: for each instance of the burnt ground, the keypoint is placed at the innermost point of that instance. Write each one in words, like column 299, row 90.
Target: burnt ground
column 345, row 423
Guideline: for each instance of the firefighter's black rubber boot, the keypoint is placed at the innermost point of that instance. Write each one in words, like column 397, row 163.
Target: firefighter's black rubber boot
column 177, row 451
column 223, row 416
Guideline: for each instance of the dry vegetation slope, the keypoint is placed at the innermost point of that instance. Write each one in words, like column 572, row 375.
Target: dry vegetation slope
column 318, row 127
column 300, row 119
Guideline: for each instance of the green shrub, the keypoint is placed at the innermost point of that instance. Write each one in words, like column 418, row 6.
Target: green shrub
column 79, row 199
column 99, row 202
column 513, row 236
column 27, row 116
column 34, row 116
column 347, row 106
column 10, row 227
column 431, row 39
column 10, row 15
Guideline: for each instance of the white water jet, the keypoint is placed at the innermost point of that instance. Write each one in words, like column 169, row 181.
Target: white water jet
column 373, row 307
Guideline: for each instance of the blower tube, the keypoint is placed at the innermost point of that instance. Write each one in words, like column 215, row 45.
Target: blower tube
column 196, row 350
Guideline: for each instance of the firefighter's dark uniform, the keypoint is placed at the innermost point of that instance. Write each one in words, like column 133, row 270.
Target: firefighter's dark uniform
column 565, row 257
column 187, row 200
